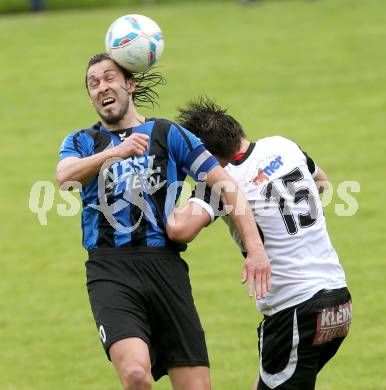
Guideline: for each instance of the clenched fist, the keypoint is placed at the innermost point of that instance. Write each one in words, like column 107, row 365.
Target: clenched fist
column 134, row 145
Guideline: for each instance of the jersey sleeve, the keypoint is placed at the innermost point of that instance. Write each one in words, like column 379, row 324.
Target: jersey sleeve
column 77, row 144
column 312, row 167
column 190, row 153
column 209, row 201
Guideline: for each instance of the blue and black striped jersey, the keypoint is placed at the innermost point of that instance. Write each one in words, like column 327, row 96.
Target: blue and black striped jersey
column 127, row 204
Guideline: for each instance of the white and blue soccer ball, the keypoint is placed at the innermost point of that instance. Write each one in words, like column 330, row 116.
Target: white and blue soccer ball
column 135, row 42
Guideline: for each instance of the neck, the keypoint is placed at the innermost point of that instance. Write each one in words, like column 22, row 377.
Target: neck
column 244, row 145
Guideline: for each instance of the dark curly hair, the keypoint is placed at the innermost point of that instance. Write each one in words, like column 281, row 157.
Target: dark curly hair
column 144, row 94
column 219, row 131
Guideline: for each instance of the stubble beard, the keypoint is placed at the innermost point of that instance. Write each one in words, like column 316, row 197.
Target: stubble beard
column 114, row 119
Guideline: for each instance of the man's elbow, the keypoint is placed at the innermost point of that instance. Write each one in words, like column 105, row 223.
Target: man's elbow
column 61, row 178
column 321, row 181
column 178, row 234
column 67, row 183
column 322, row 185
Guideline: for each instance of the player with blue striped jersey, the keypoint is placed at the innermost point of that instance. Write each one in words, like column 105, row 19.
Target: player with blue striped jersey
column 131, row 170
column 173, row 152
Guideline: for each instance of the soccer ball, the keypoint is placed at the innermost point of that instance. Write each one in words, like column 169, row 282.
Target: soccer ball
column 135, row 42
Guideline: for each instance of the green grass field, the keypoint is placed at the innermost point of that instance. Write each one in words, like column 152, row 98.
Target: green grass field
column 314, row 71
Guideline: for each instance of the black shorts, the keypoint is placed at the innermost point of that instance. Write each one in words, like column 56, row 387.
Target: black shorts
column 146, row 293
column 295, row 343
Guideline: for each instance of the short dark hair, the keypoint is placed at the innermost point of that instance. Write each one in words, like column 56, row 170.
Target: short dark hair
column 219, row 131
column 145, row 82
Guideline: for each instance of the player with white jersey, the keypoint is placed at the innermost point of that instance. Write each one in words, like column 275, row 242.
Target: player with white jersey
column 277, row 179
column 307, row 312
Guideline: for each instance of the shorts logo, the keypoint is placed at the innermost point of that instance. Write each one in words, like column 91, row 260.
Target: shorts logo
column 333, row 322
column 102, row 333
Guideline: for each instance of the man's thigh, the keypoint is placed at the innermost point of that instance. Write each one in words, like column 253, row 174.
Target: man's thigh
column 120, row 313
column 178, row 339
column 160, row 310
column 130, row 351
column 190, row 378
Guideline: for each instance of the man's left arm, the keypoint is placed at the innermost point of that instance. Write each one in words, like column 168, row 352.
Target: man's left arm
column 257, row 269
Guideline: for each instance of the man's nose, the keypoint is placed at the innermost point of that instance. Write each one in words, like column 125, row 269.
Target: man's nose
column 104, row 86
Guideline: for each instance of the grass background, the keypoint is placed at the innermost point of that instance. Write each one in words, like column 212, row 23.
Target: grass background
column 11, row 6
column 313, row 71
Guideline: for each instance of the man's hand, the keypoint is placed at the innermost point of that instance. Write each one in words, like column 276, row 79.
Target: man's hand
column 257, row 274
column 135, row 145
column 83, row 169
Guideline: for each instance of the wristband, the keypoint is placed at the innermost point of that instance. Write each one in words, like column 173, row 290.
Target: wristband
column 207, row 207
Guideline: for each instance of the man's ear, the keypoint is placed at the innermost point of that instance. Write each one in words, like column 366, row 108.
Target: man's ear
column 130, row 83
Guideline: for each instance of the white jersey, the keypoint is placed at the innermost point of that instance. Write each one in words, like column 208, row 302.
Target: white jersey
column 277, row 178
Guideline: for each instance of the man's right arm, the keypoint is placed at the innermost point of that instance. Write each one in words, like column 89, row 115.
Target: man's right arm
column 83, row 169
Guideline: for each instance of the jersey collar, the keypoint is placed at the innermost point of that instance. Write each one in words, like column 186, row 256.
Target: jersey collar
column 239, row 158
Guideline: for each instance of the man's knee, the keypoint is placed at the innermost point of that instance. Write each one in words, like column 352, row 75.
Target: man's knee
column 135, row 376
column 202, row 383
column 205, row 383
column 132, row 361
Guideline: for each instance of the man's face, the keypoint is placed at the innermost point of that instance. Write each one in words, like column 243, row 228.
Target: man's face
column 109, row 91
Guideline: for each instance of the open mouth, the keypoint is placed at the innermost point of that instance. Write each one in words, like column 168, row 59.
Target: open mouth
column 108, row 101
